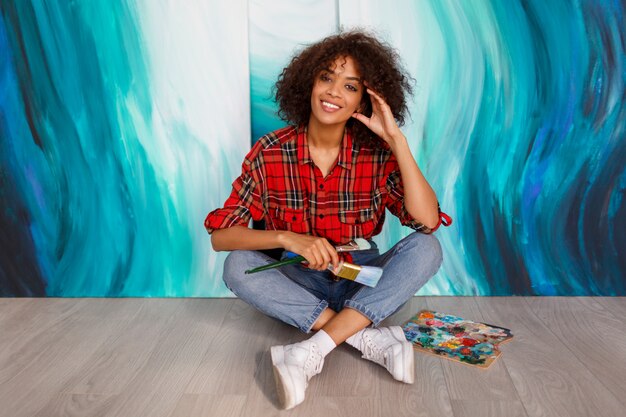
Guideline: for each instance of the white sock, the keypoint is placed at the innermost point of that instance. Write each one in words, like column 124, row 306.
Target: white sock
column 355, row 339
column 323, row 341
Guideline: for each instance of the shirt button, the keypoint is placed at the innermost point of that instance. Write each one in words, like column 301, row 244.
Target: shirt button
column 294, row 218
column 321, row 186
column 321, row 216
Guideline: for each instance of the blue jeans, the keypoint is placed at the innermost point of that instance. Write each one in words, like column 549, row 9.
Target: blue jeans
column 298, row 295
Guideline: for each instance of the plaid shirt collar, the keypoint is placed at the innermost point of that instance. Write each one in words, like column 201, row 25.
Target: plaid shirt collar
column 345, row 153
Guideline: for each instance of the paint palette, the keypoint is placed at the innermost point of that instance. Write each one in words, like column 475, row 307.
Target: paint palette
column 456, row 338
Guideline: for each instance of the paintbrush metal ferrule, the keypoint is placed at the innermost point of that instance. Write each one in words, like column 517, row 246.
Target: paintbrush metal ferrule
column 347, row 270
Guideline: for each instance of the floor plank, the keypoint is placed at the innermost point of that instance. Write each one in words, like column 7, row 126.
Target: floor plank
column 550, row 380
column 77, row 405
column 578, row 322
column 340, row 406
column 429, row 395
column 24, row 319
column 160, row 383
column 112, row 367
column 13, row 308
column 488, row 408
column 346, row 374
column 261, row 394
column 44, row 362
column 469, row 383
column 233, row 353
column 615, row 305
column 192, row 357
column 201, row 405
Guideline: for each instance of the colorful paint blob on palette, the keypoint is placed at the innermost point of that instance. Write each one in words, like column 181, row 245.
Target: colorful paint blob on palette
column 456, row 338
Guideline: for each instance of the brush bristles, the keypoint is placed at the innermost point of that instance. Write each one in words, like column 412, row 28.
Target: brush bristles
column 366, row 275
column 369, row 275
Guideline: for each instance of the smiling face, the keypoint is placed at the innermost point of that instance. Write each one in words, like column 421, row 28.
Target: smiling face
column 337, row 93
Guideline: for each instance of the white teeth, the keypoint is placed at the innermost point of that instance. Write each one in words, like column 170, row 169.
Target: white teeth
column 330, row 105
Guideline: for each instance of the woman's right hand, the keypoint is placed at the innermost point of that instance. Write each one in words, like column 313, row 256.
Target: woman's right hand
column 317, row 250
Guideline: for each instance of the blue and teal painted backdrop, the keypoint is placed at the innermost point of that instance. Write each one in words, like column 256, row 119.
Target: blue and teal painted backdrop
column 122, row 123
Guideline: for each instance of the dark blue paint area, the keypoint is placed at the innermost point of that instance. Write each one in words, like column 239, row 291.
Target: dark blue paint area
column 19, row 269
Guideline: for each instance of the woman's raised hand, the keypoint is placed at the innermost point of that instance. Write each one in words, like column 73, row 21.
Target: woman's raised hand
column 382, row 121
column 317, row 250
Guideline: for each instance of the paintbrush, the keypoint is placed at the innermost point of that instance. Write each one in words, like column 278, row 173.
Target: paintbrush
column 293, row 258
column 366, row 275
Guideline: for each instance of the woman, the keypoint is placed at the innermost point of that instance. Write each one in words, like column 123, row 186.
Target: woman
column 321, row 182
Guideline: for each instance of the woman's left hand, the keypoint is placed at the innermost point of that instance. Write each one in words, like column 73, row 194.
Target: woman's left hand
column 382, row 121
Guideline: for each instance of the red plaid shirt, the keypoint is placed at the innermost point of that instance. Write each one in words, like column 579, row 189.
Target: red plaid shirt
column 280, row 184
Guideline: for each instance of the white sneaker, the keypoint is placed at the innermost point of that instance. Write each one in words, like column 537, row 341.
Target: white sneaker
column 388, row 347
column 293, row 366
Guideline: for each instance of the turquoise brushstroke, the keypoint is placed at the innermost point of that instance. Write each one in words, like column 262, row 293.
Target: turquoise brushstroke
column 103, row 223
column 519, row 124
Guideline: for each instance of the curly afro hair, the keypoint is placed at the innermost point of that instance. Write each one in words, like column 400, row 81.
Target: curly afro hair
column 378, row 63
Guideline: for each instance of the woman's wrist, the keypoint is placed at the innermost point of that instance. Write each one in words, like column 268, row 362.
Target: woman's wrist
column 282, row 237
column 398, row 143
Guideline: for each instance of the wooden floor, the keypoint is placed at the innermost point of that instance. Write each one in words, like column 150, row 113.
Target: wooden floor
column 210, row 357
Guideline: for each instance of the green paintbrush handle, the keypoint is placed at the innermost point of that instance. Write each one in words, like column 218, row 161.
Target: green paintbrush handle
column 288, row 261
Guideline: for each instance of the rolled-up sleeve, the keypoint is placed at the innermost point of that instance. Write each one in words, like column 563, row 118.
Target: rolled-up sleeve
column 395, row 204
column 243, row 203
